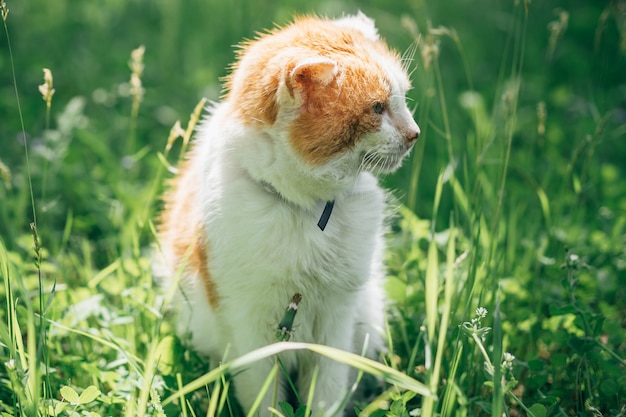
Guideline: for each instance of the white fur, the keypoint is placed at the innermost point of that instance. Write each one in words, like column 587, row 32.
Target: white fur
column 260, row 205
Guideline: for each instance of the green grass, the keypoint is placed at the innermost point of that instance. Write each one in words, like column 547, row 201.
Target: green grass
column 506, row 260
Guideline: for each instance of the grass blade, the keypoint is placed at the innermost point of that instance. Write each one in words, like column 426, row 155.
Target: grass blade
column 370, row 366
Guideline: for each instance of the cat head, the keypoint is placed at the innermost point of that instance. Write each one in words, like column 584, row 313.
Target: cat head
column 331, row 89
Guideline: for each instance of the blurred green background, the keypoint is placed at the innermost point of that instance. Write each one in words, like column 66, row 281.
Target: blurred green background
column 546, row 78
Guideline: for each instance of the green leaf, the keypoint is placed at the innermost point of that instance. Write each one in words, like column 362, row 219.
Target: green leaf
column 302, row 411
column 56, row 409
column 70, row 395
column 286, row 408
column 510, row 385
column 609, row 388
column 537, row 381
column 536, row 365
column 397, row 409
column 89, row 394
column 561, row 311
column 597, row 330
column 559, row 360
column 538, row 410
column 166, row 353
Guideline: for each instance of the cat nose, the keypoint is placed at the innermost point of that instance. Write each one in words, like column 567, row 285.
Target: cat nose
column 411, row 134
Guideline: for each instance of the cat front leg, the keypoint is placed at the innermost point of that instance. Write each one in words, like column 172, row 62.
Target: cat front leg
column 249, row 383
column 332, row 379
column 331, row 386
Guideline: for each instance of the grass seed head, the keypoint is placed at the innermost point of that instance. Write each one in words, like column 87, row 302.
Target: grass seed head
column 541, row 118
column 46, row 89
column 175, row 132
column 5, row 175
column 136, row 66
column 557, row 29
column 4, row 10
column 136, row 60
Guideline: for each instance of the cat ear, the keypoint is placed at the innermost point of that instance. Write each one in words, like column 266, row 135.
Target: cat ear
column 362, row 23
column 311, row 73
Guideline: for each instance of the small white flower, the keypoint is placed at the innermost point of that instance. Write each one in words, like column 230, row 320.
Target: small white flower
column 507, row 363
column 481, row 312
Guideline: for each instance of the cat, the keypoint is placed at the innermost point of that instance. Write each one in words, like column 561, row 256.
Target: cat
column 278, row 197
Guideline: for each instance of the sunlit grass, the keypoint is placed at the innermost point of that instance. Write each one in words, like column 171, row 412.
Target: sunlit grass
column 489, row 313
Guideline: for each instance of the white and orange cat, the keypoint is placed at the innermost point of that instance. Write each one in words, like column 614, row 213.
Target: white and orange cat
column 278, row 197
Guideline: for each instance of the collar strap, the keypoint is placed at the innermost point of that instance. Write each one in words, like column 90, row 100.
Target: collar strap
column 328, row 209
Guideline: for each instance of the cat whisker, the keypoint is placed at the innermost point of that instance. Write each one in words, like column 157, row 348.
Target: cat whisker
column 383, row 164
column 408, row 56
column 371, row 161
column 377, row 163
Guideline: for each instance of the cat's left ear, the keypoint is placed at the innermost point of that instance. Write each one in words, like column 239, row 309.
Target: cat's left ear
column 310, row 74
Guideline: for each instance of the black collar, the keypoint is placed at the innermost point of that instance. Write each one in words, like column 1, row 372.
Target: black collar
column 328, row 209
column 324, row 218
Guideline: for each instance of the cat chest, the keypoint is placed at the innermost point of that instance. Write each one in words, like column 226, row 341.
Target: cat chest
column 270, row 242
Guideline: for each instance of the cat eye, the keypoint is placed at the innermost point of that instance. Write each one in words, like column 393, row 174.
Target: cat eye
column 378, row 108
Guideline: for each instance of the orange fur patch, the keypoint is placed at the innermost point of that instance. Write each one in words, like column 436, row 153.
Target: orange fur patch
column 199, row 263
column 336, row 116
column 332, row 117
column 181, row 229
